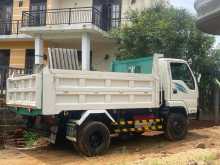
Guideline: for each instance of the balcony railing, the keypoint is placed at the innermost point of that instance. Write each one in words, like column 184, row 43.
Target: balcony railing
column 10, row 27
column 67, row 16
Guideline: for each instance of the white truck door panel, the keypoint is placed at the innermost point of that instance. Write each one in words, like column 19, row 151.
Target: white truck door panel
column 183, row 86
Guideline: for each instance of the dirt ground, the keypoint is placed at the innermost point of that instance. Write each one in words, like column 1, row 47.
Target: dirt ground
column 202, row 146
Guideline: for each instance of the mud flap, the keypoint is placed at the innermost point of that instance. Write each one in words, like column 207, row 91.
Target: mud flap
column 71, row 131
column 53, row 134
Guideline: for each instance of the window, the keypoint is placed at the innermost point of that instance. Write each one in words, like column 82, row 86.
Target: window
column 116, row 15
column 30, row 59
column 38, row 15
column 5, row 58
column 6, row 9
column 4, row 64
column 110, row 12
column 180, row 71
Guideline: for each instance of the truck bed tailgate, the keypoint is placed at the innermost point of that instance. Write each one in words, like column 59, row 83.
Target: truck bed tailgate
column 24, row 91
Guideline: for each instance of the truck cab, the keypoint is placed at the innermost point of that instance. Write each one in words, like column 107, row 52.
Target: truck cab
column 178, row 84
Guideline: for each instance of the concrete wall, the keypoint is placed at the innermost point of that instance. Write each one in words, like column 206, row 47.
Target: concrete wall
column 100, row 52
column 138, row 5
column 75, row 3
column 17, row 11
column 53, row 4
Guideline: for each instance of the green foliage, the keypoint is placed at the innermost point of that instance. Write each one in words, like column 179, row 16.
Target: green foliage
column 30, row 138
column 172, row 32
column 163, row 30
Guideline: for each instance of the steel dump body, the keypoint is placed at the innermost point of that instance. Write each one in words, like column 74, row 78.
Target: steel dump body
column 55, row 91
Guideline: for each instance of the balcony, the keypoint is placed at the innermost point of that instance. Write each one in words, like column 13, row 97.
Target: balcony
column 10, row 27
column 10, row 31
column 208, row 15
column 64, row 20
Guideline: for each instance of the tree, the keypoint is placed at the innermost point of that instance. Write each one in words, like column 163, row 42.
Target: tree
column 172, row 32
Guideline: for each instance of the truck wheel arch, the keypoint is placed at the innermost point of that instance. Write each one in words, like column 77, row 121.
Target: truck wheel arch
column 166, row 111
column 95, row 115
column 176, row 106
column 179, row 110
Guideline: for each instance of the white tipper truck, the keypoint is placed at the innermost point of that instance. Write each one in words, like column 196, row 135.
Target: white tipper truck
column 90, row 106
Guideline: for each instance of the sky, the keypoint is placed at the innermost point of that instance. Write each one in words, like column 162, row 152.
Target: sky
column 189, row 5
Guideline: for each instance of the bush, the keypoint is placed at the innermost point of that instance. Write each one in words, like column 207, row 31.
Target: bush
column 30, row 138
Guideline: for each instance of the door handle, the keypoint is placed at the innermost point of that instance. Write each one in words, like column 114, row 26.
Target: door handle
column 175, row 91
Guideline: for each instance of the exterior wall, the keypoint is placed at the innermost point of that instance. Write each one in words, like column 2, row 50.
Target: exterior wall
column 126, row 4
column 53, row 4
column 75, row 3
column 17, row 52
column 102, row 57
column 17, row 11
column 140, row 5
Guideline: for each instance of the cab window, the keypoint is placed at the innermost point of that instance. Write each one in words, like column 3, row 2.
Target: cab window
column 181, row 71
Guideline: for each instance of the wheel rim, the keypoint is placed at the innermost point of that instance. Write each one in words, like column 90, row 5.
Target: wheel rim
column 95, row 139
column 178, row 127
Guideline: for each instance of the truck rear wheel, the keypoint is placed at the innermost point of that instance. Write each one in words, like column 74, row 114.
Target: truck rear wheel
column 94, row 138
column 176, row 127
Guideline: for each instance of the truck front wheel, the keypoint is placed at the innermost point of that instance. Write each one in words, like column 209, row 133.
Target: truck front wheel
column 176, row 127
column 93, row 138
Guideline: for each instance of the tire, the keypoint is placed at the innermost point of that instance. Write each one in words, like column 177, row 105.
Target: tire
column 176, row 127
column 93, row 138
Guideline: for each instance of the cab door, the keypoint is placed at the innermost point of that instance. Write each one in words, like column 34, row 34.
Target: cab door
column 183, row 86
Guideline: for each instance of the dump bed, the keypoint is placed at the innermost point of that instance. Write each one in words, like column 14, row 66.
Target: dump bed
column 54, row 91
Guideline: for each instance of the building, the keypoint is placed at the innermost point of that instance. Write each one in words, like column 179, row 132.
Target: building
column 208, row 16
column 29, row 27
column 209, row 21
